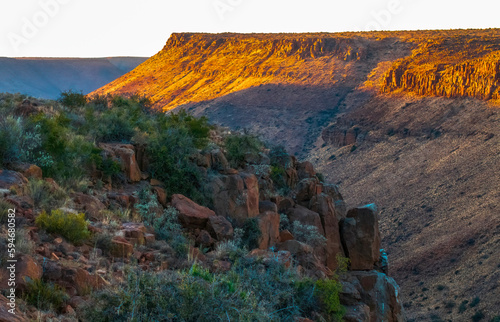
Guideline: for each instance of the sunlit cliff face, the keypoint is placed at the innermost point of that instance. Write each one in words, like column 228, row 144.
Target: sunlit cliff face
column 199, row 67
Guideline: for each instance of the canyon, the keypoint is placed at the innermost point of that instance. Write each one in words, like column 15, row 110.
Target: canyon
column 408, row 120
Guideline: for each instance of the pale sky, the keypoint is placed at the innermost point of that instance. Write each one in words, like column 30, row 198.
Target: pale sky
column 102, row 28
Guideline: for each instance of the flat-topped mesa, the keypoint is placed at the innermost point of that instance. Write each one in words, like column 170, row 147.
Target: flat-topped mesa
column 267, row 45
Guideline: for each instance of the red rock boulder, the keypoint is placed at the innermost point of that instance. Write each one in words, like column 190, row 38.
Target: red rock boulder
column 361, row 237
column 191, row 215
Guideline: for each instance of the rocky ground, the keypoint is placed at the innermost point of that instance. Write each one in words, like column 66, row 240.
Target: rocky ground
column 290, row 218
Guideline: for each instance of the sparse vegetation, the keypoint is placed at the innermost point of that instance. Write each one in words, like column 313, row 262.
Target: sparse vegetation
column 196, row 294
column 308, row 234
column 45, row 296
column 242, row 147
column 44, row 195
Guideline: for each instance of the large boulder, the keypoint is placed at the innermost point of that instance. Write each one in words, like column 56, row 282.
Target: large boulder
column 305, row 217
column 81, row 280
column 333, row 191
column 191, row 215
column 269, row 226
column 235, row 196
column 379, row 292
column 26, row 269
column 92, row 206
column 323, row 205
column 306, row 190
column 305, row 170
column 361, row 237
column 219, row 227
column 120, row 247
column 125, row 155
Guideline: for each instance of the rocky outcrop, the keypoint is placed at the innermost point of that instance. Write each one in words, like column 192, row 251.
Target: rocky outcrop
column 269, row 226
column 361, row 237
column 235, row 196
column 125, row 155
column 219, row 227
column 191, row 215
column 371, row 296
column 456, row 67
column 324, row 206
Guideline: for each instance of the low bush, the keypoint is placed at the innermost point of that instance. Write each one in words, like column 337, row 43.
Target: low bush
column 71, row 226
column 248, row 292
column 475, row 301
column 165, row 222
column 251, row 234
column 45, row 196
column 241, row 147
column 24, row 244
column 45, row 296
column 478, row 316
column 308, row 234
column 72, row 99
column 169, row 153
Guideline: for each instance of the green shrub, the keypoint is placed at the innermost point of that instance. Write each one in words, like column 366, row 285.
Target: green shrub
column 114, row 125
column 165, row 223
column 98, row 102
column 71, row 226
column 240, row 147
column 320, row 177
column 169, row 153
column 45, row 296
column 475, row 301
column 72, row 154
column 478, row 316
column 251, row 233
column 248, row 292
column 21, row 142
column 279, row 157
column 168, row 228
column 463, row 306
column 327, row 291
column 72, row 99
column 278, row 175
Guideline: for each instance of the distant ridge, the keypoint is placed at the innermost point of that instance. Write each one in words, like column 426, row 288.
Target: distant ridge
column 47, row 77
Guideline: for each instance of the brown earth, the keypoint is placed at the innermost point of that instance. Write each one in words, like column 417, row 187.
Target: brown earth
column 408, row 120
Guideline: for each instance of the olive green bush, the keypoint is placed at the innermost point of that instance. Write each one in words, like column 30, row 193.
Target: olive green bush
column 71, row 226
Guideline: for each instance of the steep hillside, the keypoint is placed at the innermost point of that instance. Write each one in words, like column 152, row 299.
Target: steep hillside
column 48, row 77
column 408, row 120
